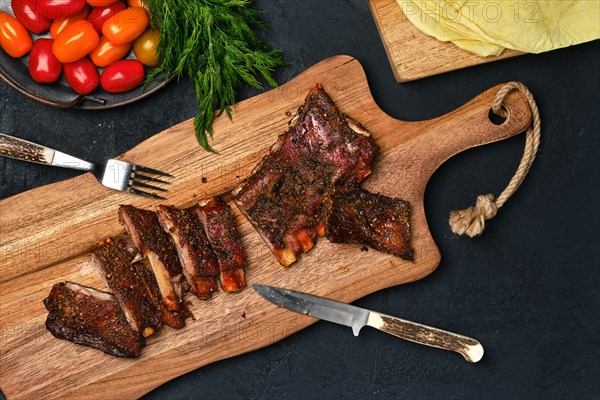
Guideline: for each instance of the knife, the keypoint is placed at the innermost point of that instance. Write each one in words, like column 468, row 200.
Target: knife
column 356, row 318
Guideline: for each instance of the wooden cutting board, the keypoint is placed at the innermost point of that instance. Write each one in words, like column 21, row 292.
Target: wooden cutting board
column 46, row 233
column 415, row 55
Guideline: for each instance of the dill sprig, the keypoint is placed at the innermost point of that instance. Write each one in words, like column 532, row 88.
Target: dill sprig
column 214, row 43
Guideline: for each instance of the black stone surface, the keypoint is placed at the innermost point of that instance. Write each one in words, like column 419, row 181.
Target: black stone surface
column 527, row 289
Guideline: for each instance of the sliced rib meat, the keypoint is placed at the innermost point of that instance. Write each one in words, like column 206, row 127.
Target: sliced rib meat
column 155, row 245
column 115, row 265
column 173, row 318
column 284, row 196
column 358, row 216
column 87, row 316
column 221, row 231
column 200, row 265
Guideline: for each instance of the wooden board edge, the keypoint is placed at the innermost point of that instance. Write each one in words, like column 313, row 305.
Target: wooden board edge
column 408, row 75
column 402, row 74
column 385, row 39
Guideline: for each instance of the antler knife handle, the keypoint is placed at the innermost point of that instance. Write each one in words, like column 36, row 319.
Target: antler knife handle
column 468, row 347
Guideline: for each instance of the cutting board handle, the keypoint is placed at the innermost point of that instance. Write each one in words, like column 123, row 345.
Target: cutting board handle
column 470, row 126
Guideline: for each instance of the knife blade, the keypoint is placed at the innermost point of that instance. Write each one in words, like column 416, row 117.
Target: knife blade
column 356, row 318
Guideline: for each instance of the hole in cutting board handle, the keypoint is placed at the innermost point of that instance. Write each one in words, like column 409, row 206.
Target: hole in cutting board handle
column 498, row 119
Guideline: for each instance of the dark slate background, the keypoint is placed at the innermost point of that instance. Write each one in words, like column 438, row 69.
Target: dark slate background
column 527, row 289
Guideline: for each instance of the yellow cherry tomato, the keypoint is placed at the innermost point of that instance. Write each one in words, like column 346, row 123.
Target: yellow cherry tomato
column 14, row 38
column 126, row 25
column 106, row 53
column 75, row 41
column 145, row 47
column 61, row 23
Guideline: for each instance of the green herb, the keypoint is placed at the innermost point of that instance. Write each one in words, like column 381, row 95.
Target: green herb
column 214, row 43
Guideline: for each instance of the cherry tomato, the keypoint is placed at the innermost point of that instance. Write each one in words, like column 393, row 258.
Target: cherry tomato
column 54, row 9
column 136, row 3
column 122, row 76
column 100, row 3
column 145, row 46
column 75, row 41
column 125, row 26
column 106, row 53
column 82, row 76
column 28, row 14
column 44, row 67
column 14, row 38
column 58, row 25
column 99, row 15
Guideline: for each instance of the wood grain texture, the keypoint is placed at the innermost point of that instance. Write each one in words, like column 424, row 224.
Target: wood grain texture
column 46, row 233
column 415, row 55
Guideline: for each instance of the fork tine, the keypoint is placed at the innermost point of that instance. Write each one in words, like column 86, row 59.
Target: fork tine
column 148, row 178
column 145, row 185
column 145, row 194
column 150, row 170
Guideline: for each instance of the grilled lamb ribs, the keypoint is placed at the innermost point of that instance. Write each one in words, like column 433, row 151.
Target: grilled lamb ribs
column 284, row 196
column 90, row 317
column 155, row 245
column 121, row 275
column 306, row 187
column 358, row 216
column 200, row 265
column 219, row 225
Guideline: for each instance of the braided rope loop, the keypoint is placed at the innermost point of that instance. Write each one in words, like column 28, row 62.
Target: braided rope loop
column 471, row 221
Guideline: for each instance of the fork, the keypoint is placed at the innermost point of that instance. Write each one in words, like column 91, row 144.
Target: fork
column 114, row 174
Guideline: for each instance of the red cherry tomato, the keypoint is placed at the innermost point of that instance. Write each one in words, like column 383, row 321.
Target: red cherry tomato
column 122, row 76
column 106, row 53
column 75, row 41
column 125, row 26
column 28, row 13
column 82, row 76
column 14, row 38
column 100, row 3
column 44, row 67
column 54, row 9
column 58, row 25
column 99, row 15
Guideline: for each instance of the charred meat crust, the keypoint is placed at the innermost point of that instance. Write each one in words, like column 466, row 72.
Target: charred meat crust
column 358, row 216
column 90, row 317
column 199, row 262
column 114, row 263
column 221, row 231
column 284, row 196
column 145, row 231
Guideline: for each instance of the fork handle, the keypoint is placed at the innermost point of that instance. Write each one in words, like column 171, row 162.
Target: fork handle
column 23, row 150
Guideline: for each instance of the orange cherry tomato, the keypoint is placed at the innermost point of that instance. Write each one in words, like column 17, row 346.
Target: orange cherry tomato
column 136, row 3
column 14, row 38
column 106, row 53
column 101, row 3
column 145, row 47
column 61, row 23
column 75, row 41
column 126, row 25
